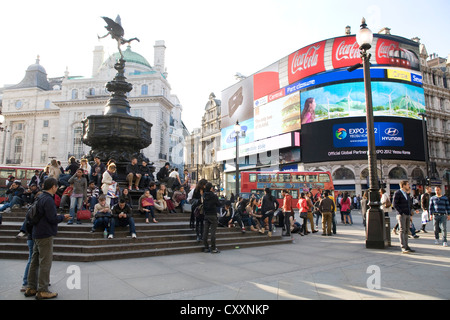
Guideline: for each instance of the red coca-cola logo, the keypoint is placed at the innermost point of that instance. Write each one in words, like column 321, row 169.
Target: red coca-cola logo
column 345, row 52
column 386, row 51
column 306, row 61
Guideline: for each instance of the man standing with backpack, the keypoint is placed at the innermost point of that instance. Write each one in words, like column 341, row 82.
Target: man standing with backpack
column 45, row 227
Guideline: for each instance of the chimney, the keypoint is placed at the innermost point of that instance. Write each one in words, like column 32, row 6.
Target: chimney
column 348, row 30
column 160, row 56
column 97, row 60
column 385, row 31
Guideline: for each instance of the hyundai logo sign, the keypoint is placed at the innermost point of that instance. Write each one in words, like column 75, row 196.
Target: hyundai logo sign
column 391, row 132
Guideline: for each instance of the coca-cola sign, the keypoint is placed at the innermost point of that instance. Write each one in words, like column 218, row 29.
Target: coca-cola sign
column 387, row 51
column 306, row 61
column 345, row 52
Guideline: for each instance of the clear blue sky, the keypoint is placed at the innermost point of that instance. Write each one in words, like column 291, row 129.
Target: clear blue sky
column 207, row 41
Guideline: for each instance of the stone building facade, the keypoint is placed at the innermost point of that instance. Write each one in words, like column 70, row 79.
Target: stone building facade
column 43, row 116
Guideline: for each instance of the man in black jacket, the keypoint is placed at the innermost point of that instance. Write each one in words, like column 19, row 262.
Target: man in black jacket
column 268, row 207
column 403, row 204
column 122, row 216
column 14, row 194
column 210, row 204
column 43, row 232
column 163, row 173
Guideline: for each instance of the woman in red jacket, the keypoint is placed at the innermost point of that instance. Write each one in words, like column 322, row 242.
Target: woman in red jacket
column 302, row 205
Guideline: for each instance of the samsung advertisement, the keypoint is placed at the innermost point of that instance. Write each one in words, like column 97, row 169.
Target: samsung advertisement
column 346, row 139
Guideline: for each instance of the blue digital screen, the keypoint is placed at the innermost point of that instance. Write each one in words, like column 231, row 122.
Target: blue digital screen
column 387, row 134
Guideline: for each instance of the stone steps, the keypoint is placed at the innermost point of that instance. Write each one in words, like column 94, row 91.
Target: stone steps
column 171, row 235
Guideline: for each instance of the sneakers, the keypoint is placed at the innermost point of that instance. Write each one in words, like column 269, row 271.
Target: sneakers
column 110, row 236
column 133, row 235
column 444, row 244
column 41, row 295
column 436, row 242
column 215, row 250
column 30, row 292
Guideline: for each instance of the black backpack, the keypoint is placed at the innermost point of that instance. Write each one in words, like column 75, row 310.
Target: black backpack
column 32, row 217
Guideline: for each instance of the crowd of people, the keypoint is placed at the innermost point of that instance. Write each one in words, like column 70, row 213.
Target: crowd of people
column 94, row 188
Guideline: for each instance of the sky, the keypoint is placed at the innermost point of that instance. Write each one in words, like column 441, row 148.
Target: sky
column 207, row 42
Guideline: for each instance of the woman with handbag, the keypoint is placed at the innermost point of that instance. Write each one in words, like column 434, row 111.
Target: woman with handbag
column 107, row 181
column 79, row 194
column 146, row 206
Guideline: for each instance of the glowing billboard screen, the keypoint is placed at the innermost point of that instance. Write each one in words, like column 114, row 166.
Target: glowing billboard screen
column 348, row 100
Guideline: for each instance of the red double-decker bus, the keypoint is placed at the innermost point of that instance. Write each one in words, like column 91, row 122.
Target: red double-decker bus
column 294, row 181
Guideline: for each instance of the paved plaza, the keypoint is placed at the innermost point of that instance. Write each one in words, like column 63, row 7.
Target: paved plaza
column 312, row 267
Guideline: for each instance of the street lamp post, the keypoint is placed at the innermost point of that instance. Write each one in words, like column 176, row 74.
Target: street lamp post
column 376, row 231
column 425, row 145
column 237, row 131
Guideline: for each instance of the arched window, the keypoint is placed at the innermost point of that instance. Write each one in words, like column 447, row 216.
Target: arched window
column 365, row 173
column 343, row 174
column 398, row 173
column 417, row 173
column 144, row 90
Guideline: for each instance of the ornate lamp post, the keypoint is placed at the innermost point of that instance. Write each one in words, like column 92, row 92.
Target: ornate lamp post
column 375, row 231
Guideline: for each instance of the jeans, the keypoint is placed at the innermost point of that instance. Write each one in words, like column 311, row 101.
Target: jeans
column 210, row 222
column 102, row 222
column 267, row 214
column 75, row 203
column 14, row 200
column 152, row 212
column 122, row 222
column 440, row 222
column 30, row 244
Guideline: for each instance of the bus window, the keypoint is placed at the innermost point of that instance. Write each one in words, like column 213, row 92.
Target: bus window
column 283, row 177
column 312, row 178
column 5, row 173
column 298, row 178
column 267, row 177
column 30, row 174
column 21, row 174
column 252, row 177
column 277, row 194
column 323, row 177
column 294, row 194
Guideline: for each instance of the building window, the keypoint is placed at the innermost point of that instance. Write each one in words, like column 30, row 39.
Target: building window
column 47, row 104
column 44, row 138
column 43, row 156
column 78, row 142
column 398, row 173
column 91, row 91
column 343, row 174
column 45, row 123
column 74, row 94
column 144, row 90
column 18, row 147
